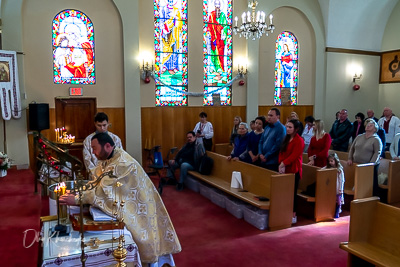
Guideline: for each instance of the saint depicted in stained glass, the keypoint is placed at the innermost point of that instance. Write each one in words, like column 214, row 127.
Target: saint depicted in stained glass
column 286, row 69
column 73, row 48
column 170, row 20
column 217, row 49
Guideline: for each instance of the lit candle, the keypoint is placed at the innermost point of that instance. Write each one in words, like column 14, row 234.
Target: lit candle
column 243, row 18
column 258, row 16
column 248, row 16
column 236, row 20
column 270, row 18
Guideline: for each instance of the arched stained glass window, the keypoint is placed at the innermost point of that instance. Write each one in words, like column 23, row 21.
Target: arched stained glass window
column 286, row 69
column 73, row 48
column 217, row 50
column 170, row 41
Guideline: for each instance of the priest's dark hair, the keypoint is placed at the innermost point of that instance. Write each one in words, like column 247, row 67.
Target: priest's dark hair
column 100, row 117
column 103, row 138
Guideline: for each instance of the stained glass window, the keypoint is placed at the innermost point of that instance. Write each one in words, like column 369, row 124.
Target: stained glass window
column 73, row 48
column 170, row 41
column 286, row 69
column 217, row 50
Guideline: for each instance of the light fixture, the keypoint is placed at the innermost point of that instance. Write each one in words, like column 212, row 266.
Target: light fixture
column 357, row 77
column 253, row 24
column 146, row 70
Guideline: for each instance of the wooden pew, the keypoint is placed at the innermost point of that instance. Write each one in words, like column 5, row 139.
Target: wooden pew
column 257, row 181
column 325, row 191
column 392, row 169
column 342, row 155
column 374, row 234
column 224, row 149
column 358, row 179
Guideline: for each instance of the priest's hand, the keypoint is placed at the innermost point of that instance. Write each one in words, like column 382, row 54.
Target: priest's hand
column 68, row 199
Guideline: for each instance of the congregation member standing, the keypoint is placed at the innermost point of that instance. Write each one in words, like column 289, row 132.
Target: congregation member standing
column 319, row 145
column 254, row 139
column 358, row 125
column 391, row 125
column 271, row 140
column 240, row 143
column 101, row 124
column 395, row 147
column 341, row 132
column 367, row 148
column 291, row 157
column 204, row 131
column 371, row 115
column 308, row 132
column 236, row 121
column 187, row 159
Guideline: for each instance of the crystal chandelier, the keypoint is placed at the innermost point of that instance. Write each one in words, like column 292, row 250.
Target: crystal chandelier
column 253, row 25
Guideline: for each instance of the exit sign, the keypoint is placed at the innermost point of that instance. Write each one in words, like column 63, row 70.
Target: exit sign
column 75, row 91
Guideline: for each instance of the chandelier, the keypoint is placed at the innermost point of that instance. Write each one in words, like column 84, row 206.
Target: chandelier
column 253, row 25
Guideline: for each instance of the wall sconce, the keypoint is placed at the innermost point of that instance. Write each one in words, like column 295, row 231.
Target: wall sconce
column 356, row 77
column 242, row 70
column 146, row 70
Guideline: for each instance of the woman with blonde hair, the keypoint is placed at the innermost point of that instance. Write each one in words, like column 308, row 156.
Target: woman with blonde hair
column 236, row 121
column 319, row 145
column 294, row 116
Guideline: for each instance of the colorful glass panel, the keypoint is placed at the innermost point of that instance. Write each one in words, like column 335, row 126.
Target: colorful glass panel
column 73, row 48
column 217, row 50
column 286, row 69
column 170, row 42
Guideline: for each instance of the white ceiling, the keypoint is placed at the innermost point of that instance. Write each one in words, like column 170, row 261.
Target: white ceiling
column 356, row 24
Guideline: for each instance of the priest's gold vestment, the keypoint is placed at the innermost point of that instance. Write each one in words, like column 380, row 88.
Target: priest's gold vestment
column 145, row 215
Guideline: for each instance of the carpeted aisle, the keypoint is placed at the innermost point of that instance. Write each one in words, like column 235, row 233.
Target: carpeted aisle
column 210, row 236
column 20, row 211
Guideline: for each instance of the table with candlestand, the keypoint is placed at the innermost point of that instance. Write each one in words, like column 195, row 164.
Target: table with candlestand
column 66, row 250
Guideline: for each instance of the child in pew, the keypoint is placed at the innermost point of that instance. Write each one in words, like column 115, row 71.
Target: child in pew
column 334, row 162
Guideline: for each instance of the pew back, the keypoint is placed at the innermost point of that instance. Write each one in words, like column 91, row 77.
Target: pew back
column 360, row 177
column 224, row 149
column 257, row 181
column 392, row 169
column 325, row 190
column 374, row 233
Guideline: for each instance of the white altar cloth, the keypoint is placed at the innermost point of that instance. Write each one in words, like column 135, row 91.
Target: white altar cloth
column 66, row 250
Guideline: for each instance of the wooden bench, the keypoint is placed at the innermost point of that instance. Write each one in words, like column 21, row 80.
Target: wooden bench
column 392, row 169
column 374, row 234
column 257, row 181
column 359, row 179
column 325, row 191
column 224, row 149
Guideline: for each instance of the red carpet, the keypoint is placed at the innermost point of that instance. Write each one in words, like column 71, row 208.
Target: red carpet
column 209, row 235
column 20, row 211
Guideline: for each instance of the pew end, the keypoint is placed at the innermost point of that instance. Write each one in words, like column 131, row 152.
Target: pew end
column 374, row 234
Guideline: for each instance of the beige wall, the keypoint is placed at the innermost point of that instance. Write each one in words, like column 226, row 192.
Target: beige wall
column 37, row 23
column 389, row 94
column 339, row 88
column 292, row 20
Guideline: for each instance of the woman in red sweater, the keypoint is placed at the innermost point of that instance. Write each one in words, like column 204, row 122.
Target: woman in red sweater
column 319, row 145
column 291, row 157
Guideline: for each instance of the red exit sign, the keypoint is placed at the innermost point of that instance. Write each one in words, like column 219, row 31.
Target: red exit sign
column 75, row 91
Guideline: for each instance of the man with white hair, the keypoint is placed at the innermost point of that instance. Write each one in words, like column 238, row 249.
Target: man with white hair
column 391, row 125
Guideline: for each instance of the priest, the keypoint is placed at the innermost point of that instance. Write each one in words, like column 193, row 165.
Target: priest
column 145, row 215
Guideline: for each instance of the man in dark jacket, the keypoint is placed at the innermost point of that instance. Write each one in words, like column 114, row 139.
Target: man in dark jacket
column 187, row 159
column 341, row 132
